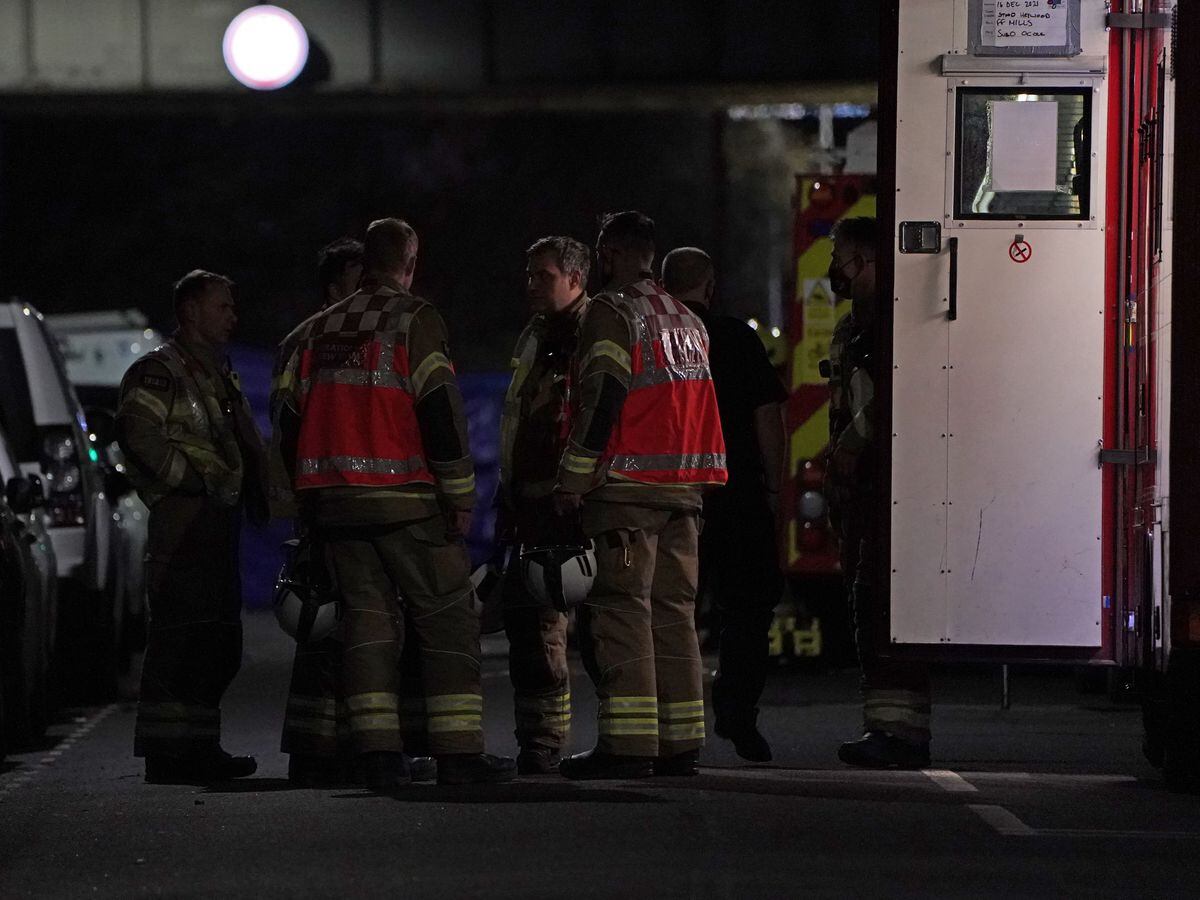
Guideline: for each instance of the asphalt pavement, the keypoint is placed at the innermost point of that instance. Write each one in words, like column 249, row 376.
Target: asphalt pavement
column 1048, row 798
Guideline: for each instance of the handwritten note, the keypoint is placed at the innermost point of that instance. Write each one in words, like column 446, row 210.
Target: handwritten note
column 1024, row 23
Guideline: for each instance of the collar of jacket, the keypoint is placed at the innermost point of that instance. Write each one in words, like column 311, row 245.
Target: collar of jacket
column 373, row 282
column 210, row 360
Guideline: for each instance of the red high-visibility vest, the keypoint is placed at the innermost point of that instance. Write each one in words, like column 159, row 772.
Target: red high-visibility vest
column 358, row 423
column 669, row 430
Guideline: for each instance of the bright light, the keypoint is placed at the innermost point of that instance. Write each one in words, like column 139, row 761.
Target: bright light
column 753, row 323
column 775, row 332
column 265, row 47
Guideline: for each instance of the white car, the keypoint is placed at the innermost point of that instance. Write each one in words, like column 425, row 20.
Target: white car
column 28, row 611
column 98, row 348
column 49, row 436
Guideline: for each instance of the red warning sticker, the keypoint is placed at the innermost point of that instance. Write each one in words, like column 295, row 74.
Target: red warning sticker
column 1019, row 251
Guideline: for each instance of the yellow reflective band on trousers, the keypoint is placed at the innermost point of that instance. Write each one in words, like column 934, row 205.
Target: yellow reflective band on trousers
column 552, row 711
column 681, row 721
column 454, row 713
column 312, row 715
column 628, row 716
column 373, row 711
column 885, row 709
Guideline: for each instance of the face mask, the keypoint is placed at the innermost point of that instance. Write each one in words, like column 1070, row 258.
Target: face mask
column 840, row 281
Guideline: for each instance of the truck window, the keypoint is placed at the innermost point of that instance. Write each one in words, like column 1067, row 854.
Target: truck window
column 1022, row 153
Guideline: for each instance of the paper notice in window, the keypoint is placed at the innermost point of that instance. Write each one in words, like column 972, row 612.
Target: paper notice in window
column 1024, row 145
column 1024, row 23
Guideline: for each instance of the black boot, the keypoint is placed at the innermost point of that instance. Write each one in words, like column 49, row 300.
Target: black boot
column 881, row 750
column 742, row 730
column 384, row 772
column 681, row 764
column 537, row 761
column 208, row 767
column 595, row 765
column 475, row 768
column 422, row 768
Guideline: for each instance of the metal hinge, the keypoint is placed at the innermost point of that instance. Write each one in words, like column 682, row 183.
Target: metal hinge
column 1139, row 457
column 1139, row 21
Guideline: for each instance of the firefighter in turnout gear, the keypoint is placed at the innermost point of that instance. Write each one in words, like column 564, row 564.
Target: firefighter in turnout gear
column 533, row 435
column 315, row 726
column 896, row 693
column 645, row 441
column 373, row 431
column 197, row 461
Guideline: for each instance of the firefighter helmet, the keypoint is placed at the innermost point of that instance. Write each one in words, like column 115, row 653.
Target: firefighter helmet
column 305, row 605
column 560, row 575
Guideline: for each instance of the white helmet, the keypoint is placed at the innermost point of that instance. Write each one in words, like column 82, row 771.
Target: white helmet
column 305, row 606
column 560, row 575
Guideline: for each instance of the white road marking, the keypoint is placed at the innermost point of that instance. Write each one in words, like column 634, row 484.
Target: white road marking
column 950, row 781
column 83, row 727
column 1003, row 821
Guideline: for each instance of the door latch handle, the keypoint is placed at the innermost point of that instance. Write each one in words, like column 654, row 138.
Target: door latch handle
column 952, row 244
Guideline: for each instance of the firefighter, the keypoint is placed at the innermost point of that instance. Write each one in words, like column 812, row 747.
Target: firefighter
column 896, row 694
column 738, row 559
column 645, row 441
column 315, row 724
column 533, row 433
column 197, row 461
column 375, row 438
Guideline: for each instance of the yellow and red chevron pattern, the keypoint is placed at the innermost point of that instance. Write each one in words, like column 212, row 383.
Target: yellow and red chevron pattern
column 821, row 201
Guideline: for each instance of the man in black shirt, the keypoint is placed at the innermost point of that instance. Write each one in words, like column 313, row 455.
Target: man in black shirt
column 738, row 557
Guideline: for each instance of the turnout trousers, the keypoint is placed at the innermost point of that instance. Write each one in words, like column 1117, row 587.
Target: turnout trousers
column 896, row 693
column 739, row 566
column 638, row 631
column 194, row 634
column 537, row 666
column 372, row 566
column 316, row 722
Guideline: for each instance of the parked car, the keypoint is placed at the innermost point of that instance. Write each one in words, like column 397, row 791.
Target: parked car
column 28, row 596
column 98, row 348
column 48, row 434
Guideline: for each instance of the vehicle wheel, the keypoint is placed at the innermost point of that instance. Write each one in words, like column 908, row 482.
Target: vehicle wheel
column 86, row 655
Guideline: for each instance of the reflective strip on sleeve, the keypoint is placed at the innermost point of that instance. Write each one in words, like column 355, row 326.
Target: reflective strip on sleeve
column 147, row 400
column 606, row 349
column 431, row 364
column 457, row 485
column 580, row 465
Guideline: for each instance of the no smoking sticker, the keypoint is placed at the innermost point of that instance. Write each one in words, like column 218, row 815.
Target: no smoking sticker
column 1019, row 251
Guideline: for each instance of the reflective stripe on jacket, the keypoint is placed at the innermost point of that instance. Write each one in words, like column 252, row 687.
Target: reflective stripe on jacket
column 358, row 423
column 669, row 430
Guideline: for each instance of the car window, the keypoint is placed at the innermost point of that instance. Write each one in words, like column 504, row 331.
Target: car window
column 16, row 408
